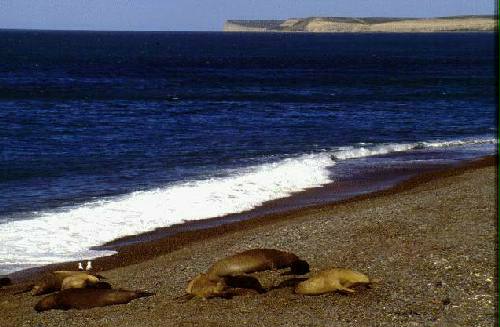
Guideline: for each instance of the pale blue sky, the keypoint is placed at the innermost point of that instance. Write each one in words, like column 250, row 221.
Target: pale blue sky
column 196, row 15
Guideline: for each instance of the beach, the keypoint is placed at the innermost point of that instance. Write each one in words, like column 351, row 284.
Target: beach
column 431, row 242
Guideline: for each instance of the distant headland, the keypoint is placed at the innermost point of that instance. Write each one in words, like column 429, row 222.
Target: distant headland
column 366, row 25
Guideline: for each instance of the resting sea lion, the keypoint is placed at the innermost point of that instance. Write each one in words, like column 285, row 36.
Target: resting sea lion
column 5, row 281
column 257, row 260
column 331, row 280
column 225, row 287
column 86, row 298
column 52, row 281
column 202, row 286
column 79, row 281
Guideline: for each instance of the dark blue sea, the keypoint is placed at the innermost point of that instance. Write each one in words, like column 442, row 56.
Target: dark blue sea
column 106, row 134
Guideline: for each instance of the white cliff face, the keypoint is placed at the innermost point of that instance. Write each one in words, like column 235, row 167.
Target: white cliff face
column 233, row 27
column 321, row 26
column 404, row 26
column 367, row 25
column 437, row 25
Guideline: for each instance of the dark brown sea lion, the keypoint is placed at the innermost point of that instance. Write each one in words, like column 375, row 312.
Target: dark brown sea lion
column 53, row 281
column 5, row 281
column 331, row 280
column 86, row 298
column 257, row 260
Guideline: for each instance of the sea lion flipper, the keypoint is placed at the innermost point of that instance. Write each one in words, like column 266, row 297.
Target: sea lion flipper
column 347, row 290
column 143, row 294
column 184, row 298
column 25, row 289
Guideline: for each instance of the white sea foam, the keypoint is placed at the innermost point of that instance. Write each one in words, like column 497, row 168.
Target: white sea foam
column 365, row 150
column 67, row 234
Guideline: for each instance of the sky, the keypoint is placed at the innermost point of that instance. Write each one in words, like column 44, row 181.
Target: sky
column 209, row 15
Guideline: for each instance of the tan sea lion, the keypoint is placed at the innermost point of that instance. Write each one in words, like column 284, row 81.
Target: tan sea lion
column 331, row 280
column 86, row 298
column 257, row 260
column 79, row 281
column 202, row 286
column 52, row 281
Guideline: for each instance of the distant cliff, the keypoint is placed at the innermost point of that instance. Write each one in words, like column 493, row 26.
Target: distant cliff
column 368, row 25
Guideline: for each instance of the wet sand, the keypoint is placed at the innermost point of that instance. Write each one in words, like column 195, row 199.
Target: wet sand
column 431, row 240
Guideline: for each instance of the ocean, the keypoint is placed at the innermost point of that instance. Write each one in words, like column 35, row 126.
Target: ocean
column 108, row 134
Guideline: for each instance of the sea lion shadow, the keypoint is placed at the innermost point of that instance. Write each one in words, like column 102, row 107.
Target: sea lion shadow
column 244, row 282
column 290, row 282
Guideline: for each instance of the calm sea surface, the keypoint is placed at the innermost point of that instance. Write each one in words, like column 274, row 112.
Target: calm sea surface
column 110, row 134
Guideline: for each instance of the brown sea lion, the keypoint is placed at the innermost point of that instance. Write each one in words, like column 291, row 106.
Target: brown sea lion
column 53, row 281
column 331, row 280
column 86, row 298
column 257, row 260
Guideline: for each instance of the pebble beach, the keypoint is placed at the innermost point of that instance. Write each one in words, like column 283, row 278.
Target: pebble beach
column 431, row 242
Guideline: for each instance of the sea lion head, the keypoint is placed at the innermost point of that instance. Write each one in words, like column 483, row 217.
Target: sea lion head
column 38, row 289
column 299, row 267
column 202, row 286
column 47, row 303
column 5, row 281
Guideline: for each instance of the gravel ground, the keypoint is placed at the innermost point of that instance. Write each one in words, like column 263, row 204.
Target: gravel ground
column 433, row 247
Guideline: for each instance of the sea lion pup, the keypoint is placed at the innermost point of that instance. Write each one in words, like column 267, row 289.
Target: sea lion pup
column 52, row 281
column 257, row 260
column 331, row 280
column 86, row 298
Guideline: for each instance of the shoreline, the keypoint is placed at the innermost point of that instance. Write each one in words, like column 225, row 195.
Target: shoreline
column 161, row 241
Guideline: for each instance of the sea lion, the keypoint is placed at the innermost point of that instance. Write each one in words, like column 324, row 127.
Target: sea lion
column 52, row 281
column 202, row 286
column 257, row 260
column 331, row 280
column 5, row 281
column 79, row 281
column 86, row 298
column 225, row 287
